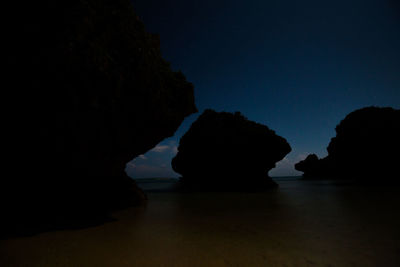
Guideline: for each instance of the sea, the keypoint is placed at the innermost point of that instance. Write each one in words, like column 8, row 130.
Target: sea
column 301, row 223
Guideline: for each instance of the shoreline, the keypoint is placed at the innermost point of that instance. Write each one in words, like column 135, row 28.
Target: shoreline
column 301, row 224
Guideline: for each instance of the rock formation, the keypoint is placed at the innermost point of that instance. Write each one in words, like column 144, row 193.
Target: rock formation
column 90, row 92
column 309, row 166
column 225, row 151
column 366, row 147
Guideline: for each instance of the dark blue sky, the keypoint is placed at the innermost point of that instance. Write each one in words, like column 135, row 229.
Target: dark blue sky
column 296, row 66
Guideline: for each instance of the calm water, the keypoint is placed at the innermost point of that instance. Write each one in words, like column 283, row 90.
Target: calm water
column 300, row 224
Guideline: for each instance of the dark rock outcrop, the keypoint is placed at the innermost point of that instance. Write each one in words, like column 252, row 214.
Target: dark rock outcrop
column 366, row 147
column 90, row 92
column 310, row 166
column 313, row 167
column 225, row 151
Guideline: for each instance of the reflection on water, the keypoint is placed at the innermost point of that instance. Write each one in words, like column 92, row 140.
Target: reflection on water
column 300, row 224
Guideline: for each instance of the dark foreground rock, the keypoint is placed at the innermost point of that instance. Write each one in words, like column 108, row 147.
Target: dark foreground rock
column 90, row 92
column 225, row 151
column 366, row 147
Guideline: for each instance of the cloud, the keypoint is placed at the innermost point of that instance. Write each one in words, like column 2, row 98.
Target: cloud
column 172, row 148
column 143, row 157
column 155, row 163
column 160, row 148
column 301, row 157
column 131, row 164
column 285, row 167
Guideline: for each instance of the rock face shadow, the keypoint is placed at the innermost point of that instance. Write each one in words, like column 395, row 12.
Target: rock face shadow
column 95, row 92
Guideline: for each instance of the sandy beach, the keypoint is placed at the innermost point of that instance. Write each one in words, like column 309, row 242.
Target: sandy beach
column 300, row 224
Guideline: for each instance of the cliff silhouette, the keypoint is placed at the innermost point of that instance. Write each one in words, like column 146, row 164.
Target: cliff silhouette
column 90, row 92
column 225, row 151
column 366, row 148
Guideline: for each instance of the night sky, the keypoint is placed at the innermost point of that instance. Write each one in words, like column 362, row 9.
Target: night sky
column 298, row 67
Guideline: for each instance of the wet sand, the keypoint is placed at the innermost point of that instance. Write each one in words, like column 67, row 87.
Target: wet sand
column 299, row 224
